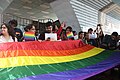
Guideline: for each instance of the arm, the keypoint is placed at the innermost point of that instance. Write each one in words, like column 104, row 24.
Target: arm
column 60, row 29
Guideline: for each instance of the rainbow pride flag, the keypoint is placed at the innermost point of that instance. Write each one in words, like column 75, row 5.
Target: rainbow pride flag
column 29, row 36
column 69, row 35
column 62, row 60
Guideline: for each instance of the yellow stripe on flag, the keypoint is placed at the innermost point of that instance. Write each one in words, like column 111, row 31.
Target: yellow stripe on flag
column 35, row 60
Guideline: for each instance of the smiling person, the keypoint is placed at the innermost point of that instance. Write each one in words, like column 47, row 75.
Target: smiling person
column 7, row 34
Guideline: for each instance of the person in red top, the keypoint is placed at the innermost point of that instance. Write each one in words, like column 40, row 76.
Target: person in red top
column 58, row 30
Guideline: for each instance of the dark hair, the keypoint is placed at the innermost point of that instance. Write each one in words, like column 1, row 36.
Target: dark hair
column 90, row 29
column 25, row 29
column 28, row 27
column 13, row 23
column 115, row 34
column 99, row 24
column 56, row 23
column 10, row 30
column 49, row 24
column 80, row 33
column 74, row 32
column 70, row 28
column 85, row 33
column 63, row 31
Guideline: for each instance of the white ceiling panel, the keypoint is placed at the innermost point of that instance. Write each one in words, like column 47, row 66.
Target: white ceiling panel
column 4, row 4
column 101, row 5
column 37, row 8
column 28, row 8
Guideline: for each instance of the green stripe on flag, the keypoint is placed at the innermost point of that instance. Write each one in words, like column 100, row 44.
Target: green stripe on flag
column 24, row 71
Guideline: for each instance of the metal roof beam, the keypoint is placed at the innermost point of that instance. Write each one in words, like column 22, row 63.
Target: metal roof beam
column 111, row 6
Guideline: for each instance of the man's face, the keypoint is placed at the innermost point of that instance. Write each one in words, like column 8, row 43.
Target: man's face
column 87, row 36
column 49, row 29
column 81, row 35
column 113, row 37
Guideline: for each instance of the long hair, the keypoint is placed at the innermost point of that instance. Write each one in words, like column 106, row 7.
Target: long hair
column 10, row 30
column 79, row 34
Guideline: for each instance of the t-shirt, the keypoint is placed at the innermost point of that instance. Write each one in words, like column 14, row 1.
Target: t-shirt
column 93, row 36
column 42, row 36
column 3, row 40
column 107, row 40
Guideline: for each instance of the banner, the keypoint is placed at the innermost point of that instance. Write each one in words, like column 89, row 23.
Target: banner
column 58, row 60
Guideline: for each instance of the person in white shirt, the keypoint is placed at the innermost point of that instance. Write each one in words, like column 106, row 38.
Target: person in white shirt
column 92, row 36
column 7, row 34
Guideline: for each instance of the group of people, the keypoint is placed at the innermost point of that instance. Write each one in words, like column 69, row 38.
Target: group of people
column 10, row 33
column 98, row 39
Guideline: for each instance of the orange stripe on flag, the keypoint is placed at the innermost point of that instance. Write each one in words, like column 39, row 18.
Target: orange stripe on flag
column 14, row 53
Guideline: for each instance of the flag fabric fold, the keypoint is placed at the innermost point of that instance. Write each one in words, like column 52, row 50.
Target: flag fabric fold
column 59, row 60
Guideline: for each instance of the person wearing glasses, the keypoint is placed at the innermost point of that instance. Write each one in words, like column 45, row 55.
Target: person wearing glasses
column 7, row 34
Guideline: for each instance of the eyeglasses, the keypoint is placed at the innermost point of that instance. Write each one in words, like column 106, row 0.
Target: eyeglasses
column 3, row 27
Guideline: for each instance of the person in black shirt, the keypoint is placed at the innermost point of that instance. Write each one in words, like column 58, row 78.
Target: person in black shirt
column 110, row 41
column 49, row 28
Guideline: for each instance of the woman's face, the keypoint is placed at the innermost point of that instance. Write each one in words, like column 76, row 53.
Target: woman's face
column 32, row 29
column 68, row 30
column 81, row 35
column 4, row 29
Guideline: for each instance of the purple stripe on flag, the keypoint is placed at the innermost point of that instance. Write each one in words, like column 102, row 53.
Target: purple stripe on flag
column 82, row 73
